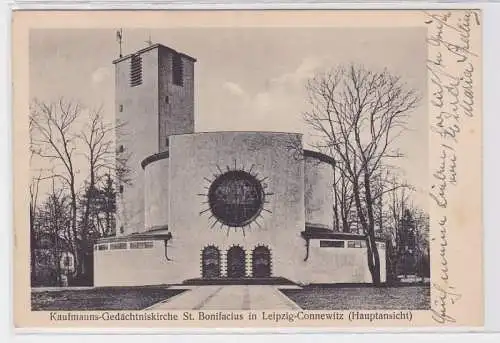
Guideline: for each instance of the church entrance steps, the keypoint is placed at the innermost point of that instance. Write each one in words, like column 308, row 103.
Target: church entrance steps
column 229, row 297
column 184, row 287
column 281, row 281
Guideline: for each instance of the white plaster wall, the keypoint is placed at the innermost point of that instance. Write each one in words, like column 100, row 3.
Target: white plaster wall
column 339, row 265
column 138, row 135
column 178, row 186
column 156, row 195
column 196, row 157
column 318, row 193
column 133, row 267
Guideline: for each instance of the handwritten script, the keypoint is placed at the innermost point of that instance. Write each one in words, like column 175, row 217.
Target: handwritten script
column 450, row 65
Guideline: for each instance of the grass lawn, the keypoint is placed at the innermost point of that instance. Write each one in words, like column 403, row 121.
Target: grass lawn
column 361, row 298
column 105, row 298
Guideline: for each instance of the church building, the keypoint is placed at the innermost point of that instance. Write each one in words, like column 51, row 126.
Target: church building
column 215, row 205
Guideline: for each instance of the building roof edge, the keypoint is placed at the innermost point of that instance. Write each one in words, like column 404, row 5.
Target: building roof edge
column 151, row 47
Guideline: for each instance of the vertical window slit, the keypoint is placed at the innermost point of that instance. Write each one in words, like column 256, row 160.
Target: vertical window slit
column 177, row 70
column 135, row 70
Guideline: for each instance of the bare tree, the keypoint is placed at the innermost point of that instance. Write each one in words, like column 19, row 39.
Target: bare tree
column 343, row 199
column 52, row 223
column 106, row 208
column 388, row 191
column 33, row 190
column 401, row 216
column 397, row 200
column 53, row 138
column 422, row 225
column 359, row 113
column 66, row 138
column 98, row 143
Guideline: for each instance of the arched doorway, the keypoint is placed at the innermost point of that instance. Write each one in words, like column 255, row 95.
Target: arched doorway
column 210, row 262
column 261, row 262
column 236, row 262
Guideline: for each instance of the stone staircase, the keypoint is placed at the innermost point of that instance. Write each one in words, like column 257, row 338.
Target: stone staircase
column 239, row 281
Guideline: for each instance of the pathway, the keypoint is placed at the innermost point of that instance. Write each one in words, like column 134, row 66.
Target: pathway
column 246, row 297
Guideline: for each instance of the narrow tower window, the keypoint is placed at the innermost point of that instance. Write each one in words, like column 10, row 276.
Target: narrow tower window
column 135, row 71
column 177, row 70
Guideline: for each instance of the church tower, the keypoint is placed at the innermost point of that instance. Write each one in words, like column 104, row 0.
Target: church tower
column 154, row 98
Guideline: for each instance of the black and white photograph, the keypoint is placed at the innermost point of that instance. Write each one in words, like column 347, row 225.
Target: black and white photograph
column 226, row 168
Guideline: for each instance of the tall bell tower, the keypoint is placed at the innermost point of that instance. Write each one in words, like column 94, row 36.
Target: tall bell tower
column 154, row 98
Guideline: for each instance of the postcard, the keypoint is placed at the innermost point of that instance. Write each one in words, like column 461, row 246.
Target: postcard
column 247, row 169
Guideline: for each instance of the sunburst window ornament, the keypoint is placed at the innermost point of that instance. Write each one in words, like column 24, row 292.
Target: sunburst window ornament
column 236, row 198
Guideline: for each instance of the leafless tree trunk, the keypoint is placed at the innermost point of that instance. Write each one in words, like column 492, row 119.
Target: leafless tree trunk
column 346, row 204
column 60, row 132
column 422, row 227
column 343, row 199
column 97, row 138
column 53, row 138
column 399, row 200
column 359, row 113
column 55, row 224
column 33, row 189
column 336, row 201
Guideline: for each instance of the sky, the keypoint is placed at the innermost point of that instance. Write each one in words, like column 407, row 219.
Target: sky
column 245, row 78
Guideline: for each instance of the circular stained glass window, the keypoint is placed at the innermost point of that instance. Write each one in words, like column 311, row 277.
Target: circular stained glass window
column 236, row 198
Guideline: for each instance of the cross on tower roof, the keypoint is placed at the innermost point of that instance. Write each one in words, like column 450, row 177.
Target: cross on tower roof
column 149, row 41
column 119, row 38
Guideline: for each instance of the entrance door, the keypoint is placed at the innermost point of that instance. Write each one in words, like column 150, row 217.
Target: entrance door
column 236, row 262
column 210, row 262
column 261, row 262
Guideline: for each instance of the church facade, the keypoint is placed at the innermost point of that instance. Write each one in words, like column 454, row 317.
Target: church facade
column 215, row 205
